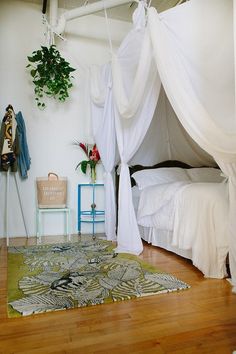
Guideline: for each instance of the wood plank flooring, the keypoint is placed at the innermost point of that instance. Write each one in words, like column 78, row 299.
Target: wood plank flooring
column 201, row 319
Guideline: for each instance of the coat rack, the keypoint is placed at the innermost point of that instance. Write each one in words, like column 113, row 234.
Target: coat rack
column 7, row 194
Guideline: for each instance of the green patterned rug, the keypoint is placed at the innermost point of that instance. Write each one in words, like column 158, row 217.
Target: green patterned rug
column 69, row 275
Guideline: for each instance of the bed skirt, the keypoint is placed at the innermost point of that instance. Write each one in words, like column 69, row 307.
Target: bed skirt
column 162, row 238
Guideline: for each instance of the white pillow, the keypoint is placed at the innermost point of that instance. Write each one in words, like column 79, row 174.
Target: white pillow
column 146, row 178
column 205, row 174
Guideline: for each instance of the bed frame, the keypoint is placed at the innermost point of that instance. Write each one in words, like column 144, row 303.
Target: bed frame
column 135, row 168
column 167, row 163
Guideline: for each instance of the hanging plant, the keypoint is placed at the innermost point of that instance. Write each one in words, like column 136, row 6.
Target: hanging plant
column 51, row 74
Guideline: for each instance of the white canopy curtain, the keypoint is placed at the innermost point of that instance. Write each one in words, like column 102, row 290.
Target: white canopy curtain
column 136, row 90
column 102, row 113
column 169, row 140
column 133, row 116
column 197, row 73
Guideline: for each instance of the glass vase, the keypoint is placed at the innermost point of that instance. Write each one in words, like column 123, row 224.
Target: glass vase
column 93, row 175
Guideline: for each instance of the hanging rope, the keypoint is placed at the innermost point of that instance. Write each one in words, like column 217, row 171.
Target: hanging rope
column 108, row 29
column 50, row 33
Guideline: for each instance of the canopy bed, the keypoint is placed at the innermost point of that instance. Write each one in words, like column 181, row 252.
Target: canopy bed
column 167, row 94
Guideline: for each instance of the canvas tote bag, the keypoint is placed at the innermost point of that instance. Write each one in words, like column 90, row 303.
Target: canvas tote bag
column 51, row 191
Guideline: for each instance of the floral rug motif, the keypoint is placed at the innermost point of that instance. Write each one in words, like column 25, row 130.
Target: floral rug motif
column 70, row 275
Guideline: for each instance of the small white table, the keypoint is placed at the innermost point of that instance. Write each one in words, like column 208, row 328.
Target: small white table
column 39, row 224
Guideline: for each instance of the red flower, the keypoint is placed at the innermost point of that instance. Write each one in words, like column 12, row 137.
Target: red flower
column 84, row 147
column 93, row 156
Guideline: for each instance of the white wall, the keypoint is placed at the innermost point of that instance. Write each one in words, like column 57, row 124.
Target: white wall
column 50, row 132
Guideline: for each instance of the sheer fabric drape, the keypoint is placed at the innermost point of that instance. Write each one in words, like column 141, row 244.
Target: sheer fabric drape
column 166, row 139
column 102, row 112
column 201, row 94
column 136, row 90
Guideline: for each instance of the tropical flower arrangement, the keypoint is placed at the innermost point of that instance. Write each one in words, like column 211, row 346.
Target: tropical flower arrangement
column 93, row 158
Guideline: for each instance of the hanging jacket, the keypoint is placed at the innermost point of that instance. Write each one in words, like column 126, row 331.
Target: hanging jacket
column 23, row 159
column 9, row 143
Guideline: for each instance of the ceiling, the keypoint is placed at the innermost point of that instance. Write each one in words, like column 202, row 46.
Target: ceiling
column 123, row 12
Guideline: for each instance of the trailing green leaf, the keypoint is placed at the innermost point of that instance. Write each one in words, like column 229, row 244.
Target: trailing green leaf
column 84, row 166
column 51, row 74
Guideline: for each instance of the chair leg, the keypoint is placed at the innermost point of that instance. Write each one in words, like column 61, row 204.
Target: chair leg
column 68, row 224
column 39, row 226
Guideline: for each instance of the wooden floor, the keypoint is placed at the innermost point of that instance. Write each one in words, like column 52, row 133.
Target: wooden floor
column 201, row 319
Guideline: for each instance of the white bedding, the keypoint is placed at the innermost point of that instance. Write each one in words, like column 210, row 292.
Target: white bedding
column 196, row 213
column 136, row 197
column 157, row 203
column 200, row 224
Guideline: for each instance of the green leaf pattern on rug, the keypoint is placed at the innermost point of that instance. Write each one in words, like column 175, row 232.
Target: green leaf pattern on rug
column 64, row 276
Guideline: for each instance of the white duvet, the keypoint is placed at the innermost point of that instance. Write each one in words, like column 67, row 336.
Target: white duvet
column 197, row 213
column 157, row 204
